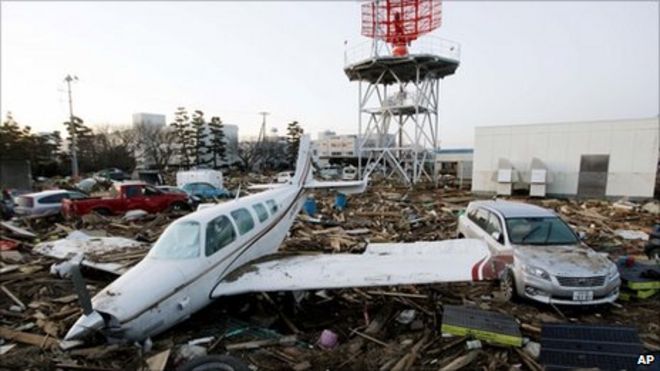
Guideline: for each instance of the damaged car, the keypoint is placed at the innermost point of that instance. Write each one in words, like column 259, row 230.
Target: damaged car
column 536, row 255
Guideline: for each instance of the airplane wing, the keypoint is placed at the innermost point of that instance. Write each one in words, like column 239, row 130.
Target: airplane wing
column 347, row 187
column 266, row 186
column 381, row 264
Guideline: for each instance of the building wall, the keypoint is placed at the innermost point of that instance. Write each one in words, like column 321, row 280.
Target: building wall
column 460, row 160
column 154, row 119
column 335, row 146
column 631, row 144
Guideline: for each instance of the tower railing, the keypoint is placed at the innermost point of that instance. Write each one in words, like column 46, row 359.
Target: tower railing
column 426, row 45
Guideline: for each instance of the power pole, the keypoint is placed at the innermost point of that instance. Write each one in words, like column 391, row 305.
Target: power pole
column 74, row 155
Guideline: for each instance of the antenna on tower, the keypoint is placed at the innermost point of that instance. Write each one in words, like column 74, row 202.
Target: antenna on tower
column 262, row 131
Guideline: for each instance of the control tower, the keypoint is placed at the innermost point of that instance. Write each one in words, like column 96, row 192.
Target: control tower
column 399, row 86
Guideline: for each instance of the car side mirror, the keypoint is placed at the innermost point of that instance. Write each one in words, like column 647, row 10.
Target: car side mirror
column 497, row 236
column 582, row 235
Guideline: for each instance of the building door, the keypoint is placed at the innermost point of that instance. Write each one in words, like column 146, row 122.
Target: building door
column 592, row 181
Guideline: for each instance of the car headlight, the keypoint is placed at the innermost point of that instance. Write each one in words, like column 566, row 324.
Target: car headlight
column 613, row 272
column 535, row 271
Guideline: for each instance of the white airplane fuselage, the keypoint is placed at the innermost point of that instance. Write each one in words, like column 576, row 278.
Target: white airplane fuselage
column 171, row 289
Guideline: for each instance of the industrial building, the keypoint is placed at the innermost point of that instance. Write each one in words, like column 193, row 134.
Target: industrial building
column 585, row 159
column 456, row 162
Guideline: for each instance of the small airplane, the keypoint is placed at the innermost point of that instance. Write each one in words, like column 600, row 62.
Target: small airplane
column 230, row 248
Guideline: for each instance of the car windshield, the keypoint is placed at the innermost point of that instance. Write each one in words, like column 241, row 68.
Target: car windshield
column 540, row 231
column 179, row 241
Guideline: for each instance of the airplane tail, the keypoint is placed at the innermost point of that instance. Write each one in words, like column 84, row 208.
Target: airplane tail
column 303, row 176
column 303, row 172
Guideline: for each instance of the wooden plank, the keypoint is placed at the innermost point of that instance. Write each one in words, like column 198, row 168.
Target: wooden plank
column 27, row 338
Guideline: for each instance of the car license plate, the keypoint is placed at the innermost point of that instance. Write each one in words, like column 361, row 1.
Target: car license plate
column 583, row 295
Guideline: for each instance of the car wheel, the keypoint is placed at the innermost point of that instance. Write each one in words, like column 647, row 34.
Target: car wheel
column 654, row 254
column 214, row 362
column 508, row 286
column 102, row 211
column 179, row 206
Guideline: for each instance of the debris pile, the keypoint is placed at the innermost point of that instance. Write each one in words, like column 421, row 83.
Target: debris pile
column 377, row 329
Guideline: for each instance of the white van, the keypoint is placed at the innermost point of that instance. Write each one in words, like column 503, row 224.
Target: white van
column 284, row 176
column 213, row 177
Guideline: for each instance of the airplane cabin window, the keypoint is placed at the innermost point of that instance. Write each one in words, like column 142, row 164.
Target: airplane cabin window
column 179, row 241
column 261, row 212
column 272, row 206
column 219, row 233
column 243, row 220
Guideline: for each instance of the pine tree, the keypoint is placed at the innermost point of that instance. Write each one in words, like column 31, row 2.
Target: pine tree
column 218, row 147
column 184, row 136
column 200, row 145
column 84, row 143
column 294, row 133
column 12, row 139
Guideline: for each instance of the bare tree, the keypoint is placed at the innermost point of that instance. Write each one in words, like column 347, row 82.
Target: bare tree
column 156, row 145
column 248, row 154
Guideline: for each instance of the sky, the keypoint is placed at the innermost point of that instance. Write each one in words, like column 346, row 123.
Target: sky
column 521, row 62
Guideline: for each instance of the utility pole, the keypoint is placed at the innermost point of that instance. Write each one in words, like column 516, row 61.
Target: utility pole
column 74, row 155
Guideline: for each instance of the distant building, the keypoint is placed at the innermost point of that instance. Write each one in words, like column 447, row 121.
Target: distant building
column 326, row 134
column 335, row 146
column 345, row 146
column 613, row 159
column 150, row 119
column 456, row 162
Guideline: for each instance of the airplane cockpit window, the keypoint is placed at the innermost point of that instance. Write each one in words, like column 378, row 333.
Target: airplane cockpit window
column 272, row 206
column 179, row 241
column 219, row 233
column 243, row 220
column 261, row 212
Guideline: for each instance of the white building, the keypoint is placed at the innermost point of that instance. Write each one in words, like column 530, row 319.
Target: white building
column 456, row 162
column 335, row 146
column 150, row 119
column 330, row 145
column 586, row 159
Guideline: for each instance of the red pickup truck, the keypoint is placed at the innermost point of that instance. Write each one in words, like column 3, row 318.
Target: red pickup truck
column 124, row 197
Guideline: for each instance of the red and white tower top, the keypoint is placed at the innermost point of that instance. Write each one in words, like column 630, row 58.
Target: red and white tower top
column 398, row 22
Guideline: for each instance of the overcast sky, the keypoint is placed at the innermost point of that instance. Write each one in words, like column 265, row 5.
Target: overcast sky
column 521, row 62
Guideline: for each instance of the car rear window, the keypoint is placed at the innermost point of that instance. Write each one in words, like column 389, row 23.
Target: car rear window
column 53, row 199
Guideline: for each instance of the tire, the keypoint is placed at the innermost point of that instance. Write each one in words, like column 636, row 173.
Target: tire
column 179, row 206
column 460, row 235
column 102, row 211
column 508, row 286
column 214, row 363
column 654, row 253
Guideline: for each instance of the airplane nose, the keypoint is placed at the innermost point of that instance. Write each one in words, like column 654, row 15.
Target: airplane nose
column 85, row 325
